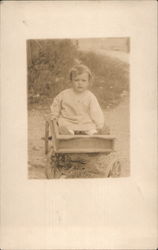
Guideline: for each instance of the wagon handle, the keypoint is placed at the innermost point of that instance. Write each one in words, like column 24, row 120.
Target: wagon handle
column 47, row 117
column 46, row 136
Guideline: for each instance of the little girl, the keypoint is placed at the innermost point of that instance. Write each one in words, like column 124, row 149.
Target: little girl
column 76, row 109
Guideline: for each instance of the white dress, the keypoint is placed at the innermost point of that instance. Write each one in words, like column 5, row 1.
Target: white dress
column 77, row 111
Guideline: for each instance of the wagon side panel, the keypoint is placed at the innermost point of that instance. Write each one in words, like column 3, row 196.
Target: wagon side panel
column 86, row 145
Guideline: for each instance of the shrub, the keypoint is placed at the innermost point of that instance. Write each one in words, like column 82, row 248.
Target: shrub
column 48, row 64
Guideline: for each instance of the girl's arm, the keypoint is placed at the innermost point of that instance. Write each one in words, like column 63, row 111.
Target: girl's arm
column 56, row 107
column 96, row 113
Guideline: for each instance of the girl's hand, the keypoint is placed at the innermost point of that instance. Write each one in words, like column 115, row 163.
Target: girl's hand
column 104, row 131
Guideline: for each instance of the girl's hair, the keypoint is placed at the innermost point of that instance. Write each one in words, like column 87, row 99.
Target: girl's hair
column 79, row 69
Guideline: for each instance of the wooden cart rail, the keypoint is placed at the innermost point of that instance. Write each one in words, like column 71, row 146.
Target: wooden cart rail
column 76, row 143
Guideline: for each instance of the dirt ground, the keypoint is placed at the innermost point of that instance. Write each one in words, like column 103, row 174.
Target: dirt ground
column 118, row 121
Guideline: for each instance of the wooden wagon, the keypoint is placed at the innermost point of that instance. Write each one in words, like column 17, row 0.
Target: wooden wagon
column 59, row 147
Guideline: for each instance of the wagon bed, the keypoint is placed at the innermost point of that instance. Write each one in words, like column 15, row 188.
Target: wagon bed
column 77, row 143
column 62, row 147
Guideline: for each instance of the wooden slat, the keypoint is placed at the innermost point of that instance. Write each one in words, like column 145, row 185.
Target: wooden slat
column 87, row 150
column 69, row 137
column 54, row 140
column 46, row 136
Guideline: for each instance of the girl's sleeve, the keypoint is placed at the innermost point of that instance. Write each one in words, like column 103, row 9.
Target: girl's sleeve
column 56, row 107
column 96, row 113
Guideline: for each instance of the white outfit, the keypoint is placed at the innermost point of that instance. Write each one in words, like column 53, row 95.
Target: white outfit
column 77, row 111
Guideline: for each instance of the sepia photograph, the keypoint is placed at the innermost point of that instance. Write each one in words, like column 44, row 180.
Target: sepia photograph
column 78, row 108
column 78, row 125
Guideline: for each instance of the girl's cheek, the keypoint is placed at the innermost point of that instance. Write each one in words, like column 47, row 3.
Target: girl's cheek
column 88, row 84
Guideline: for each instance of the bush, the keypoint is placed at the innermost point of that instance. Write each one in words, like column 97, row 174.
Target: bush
column 48, row 64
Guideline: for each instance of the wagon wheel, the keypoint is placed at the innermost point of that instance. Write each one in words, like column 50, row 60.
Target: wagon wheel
column 64, row 161
column 50, row 165
column 52, row 170
column 113, row 165
column 115, row 170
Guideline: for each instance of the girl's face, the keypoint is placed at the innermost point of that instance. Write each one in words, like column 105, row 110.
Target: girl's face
column 80, row 82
